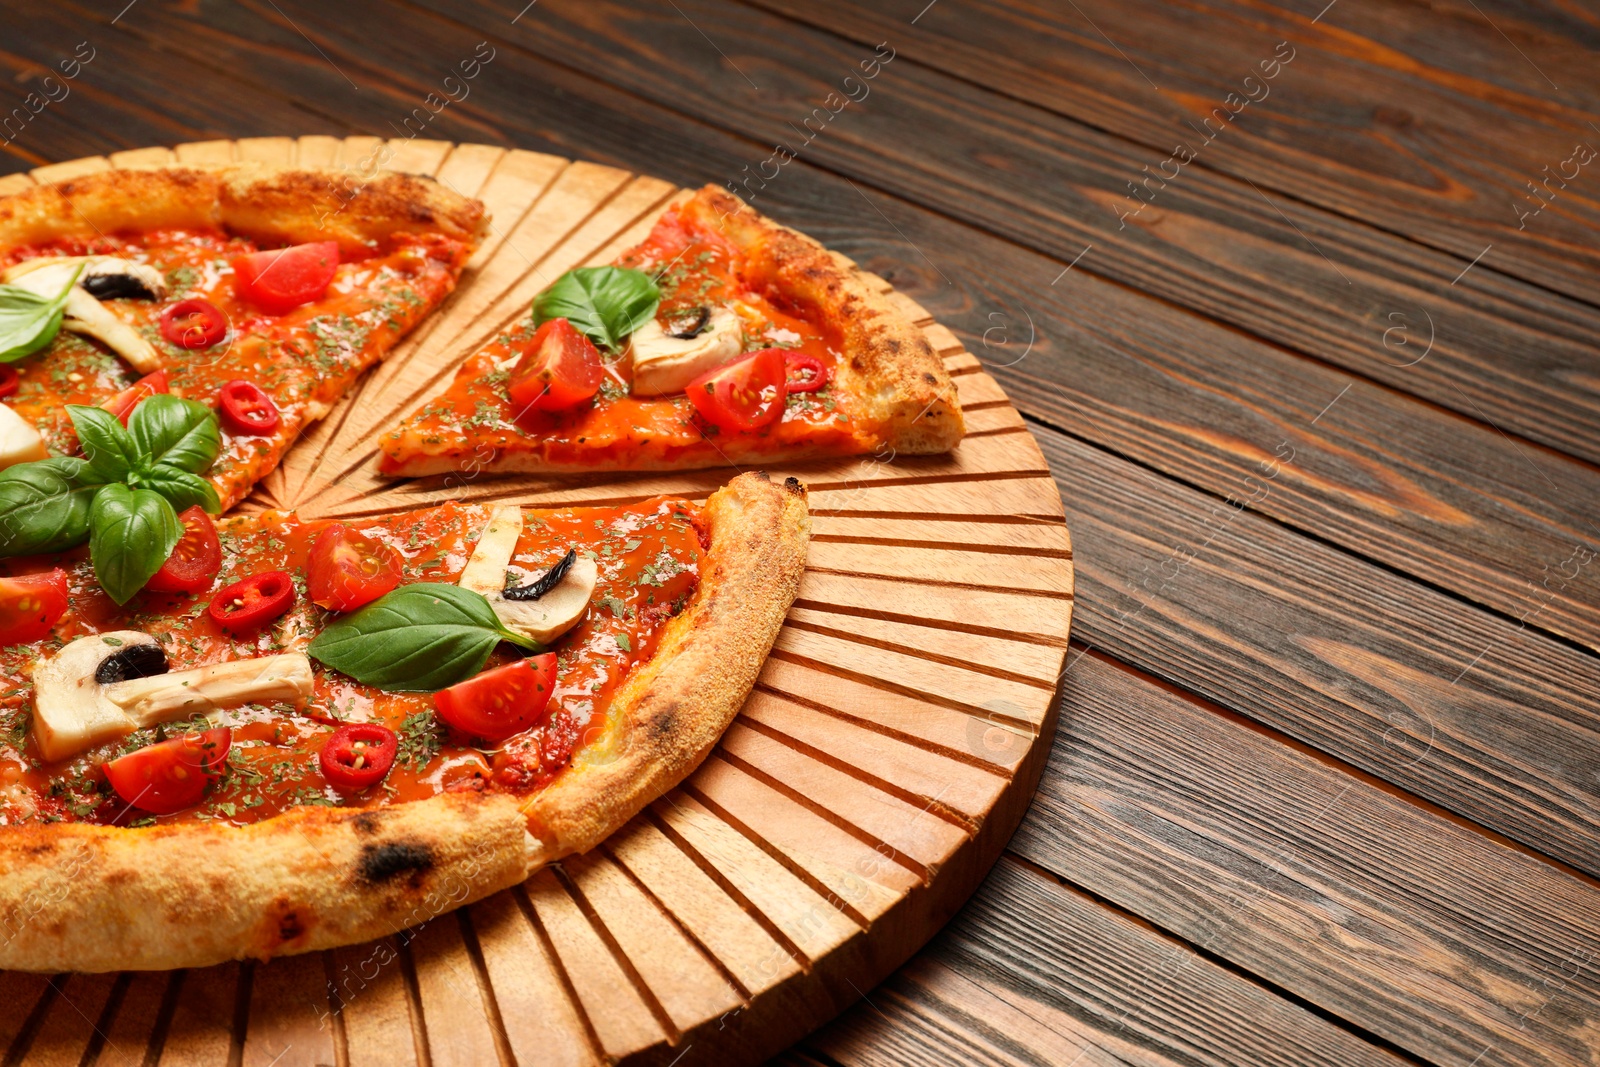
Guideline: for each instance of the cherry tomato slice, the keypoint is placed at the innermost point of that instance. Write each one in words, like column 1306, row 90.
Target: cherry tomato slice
column 10, row 380
column 193, row 323
column 560, row 368
column 196, row 559
column 283, row 279
column 123, row 403
column 246, row 605
column 501, row 702
column 31, row 606
column 812, row 374
column 246, row 409
column 168, row 776
column 743, row 396
column 358, row 754
column 347, row 569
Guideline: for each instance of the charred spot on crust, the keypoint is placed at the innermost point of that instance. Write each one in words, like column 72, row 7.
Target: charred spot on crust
column 385, row 863
column 928, row 377
column 289, row 926
column 892, row 344
column 793, row 486
column 366, row 823
column 662, row 725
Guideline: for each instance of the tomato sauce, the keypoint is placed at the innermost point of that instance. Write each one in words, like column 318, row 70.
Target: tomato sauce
column 693, row 267
column 648, row 557
column 304, row 359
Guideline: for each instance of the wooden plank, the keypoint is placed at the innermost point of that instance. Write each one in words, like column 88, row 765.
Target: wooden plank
column 20, row 994
column 202, row 1025
column 135, row 158
column 1039, row 618
column 1431, row 694
column 411, row 156
column 370, row 986
column 1023, row 661
column 291, row 1018
column 132, row 1029
column 1411, row 925
column 71, row 1027
column 317, row 150
column 73, row 168
column 272, row 151
column 460, row 1024
column 542, row 1022
column 204, row 152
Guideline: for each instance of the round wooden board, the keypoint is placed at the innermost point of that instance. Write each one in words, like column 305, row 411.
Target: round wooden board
column 887, row 754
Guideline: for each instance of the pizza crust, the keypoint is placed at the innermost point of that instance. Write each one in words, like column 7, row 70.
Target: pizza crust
column 273, row 206
column 671, row 711
column 77, row 897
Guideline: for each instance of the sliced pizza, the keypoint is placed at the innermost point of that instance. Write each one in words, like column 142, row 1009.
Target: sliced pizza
column 309, row 734
column 260, row 294
column 723, row 339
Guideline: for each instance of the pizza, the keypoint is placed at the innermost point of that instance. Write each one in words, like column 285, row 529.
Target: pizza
column 255, row 292
column 303, row 734
column 723, row 339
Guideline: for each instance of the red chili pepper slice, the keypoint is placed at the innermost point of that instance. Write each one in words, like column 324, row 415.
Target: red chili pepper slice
column 259, row 599
column 813, row 375
column 359, row 754
column 10, row 380
column 247, row 409
column 194, row 323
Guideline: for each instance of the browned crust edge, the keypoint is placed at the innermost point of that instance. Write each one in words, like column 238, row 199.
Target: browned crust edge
column 97, row 898
column 671, row 712
column 266, row 204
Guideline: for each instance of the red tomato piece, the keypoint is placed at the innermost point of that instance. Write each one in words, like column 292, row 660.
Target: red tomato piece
column 31, row 606
column 501, row 702
column 358, row 755
column 812, row 374
column 744, row 396
column 560, row 368
column 193, row 323
column 10, row 380
column 168, row 776
column 347, row 569
column 283, row 279
column 246, row 605
column 196, row 559
column 123, row 403
column 246, row 409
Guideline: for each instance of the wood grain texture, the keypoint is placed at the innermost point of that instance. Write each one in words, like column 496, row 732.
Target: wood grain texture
column 794, row 865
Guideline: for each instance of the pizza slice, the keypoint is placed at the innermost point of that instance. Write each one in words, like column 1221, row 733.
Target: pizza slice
column 723, row 339
column 314, row 733
column 260, row 294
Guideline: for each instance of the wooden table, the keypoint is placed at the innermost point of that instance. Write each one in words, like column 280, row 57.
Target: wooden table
column 1301, row 303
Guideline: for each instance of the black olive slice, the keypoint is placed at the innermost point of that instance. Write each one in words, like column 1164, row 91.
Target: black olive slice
column 116, row 287
column 689, row 323
column 545, row 582
column 135, row 661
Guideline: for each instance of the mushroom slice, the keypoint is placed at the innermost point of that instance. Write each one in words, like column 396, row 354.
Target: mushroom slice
column 84, row 313
column 544, row 618
column 103, row 277
column 19, row 441
column 105, row 686
column 665, row 364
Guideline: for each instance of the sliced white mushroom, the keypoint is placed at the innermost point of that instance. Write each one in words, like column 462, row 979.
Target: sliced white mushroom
column 543, row 619
column 665, row 364
column 19, row 441
column 105, row 686
column 85, row 314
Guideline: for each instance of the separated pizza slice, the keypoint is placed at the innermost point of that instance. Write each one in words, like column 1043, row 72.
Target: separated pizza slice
column 259, row 294
column 723, row 339
column 314, row 733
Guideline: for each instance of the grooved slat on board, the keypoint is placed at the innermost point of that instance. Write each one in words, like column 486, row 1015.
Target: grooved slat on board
column 409, row 156
column 1012, row 613
column 942, row 565
column 466, row 169
column 130, row 1030
column 290, row 1021
column 542, row 1023
column 460, row 1033
column 272, row 151
column 683, row 982
column 369, row 982
column 317, row 150
column 204, row 152
column 202, row 1024
column 1034, row 662
column 698, row 904
column 620, row 1018
column 933, row 532
column 19, row 992
column 72, row 1020
column 136, row 158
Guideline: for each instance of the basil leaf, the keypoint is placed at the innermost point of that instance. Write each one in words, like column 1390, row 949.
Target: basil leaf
column 131, row 534
column 29, row 321
column 182, row 489
column 107, row 445
column 607, row 303
column 418, row 638
column 44, row 506
column 179, row 433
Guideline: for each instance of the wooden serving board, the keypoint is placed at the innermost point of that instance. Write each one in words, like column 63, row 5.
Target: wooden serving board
column 888, row 751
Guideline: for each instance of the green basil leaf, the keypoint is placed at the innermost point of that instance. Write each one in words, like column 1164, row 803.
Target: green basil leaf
column 106, row 443
column 182, row 489
column 418, row 638
column 606, row 303
column 179, row 433
column 29, row 321
column 44, row 506
column 131, row 534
